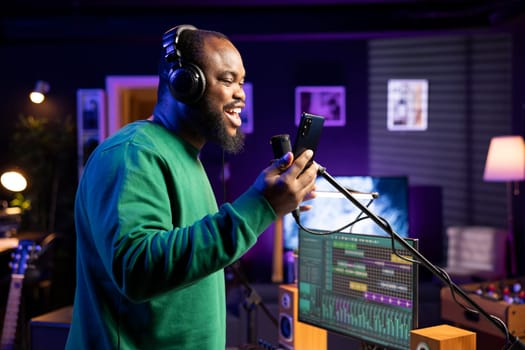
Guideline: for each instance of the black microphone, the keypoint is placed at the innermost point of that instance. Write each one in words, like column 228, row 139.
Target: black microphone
column 280, row 146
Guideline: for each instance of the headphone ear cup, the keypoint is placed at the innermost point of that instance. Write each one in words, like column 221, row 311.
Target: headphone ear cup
column 187, row 83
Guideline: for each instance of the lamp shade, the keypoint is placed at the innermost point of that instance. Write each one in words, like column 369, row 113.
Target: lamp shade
column 505, row 159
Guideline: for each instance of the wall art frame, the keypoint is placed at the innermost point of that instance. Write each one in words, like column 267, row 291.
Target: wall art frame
column 326, row 101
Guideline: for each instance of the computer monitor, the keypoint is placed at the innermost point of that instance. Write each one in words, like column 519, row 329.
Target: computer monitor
column 355, row 285
column 331, row 210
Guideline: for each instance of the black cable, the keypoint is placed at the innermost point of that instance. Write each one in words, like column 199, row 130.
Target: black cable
column 224, row 189
column 359, row 217
column 296, row 216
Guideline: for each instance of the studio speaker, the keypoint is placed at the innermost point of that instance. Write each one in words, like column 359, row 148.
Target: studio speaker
column 295, row 335
column 442, row 337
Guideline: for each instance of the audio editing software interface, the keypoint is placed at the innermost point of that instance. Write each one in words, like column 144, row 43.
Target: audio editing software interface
column 355, row 285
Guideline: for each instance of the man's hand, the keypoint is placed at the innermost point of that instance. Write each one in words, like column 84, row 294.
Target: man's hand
column 286, row 183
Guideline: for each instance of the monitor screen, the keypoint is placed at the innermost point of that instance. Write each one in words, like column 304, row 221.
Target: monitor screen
column 331, row 210
column 355, row 285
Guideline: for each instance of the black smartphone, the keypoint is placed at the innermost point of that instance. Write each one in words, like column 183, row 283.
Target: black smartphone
column 308, row 134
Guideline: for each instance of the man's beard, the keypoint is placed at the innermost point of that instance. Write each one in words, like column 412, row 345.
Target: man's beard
column 214, row 128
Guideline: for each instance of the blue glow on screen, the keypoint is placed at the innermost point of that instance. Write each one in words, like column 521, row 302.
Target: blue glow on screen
column 329, row 213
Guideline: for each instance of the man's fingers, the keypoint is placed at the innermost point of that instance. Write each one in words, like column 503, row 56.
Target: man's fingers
column 284, row 162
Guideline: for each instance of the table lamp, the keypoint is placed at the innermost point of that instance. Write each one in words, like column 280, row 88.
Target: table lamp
column 506, row 163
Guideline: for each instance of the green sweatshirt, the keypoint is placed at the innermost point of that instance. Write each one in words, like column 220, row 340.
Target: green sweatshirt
column 152, row 245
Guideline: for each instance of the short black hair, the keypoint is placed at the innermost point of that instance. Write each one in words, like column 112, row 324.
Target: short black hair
column 190, row 45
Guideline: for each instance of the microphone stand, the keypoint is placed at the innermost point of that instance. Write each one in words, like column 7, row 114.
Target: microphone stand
column 252, row 300
column 515, row 343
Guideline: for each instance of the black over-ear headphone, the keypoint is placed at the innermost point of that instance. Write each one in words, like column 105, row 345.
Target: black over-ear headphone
column 186, row 80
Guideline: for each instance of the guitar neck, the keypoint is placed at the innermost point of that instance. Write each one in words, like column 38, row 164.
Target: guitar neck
column 11, row 312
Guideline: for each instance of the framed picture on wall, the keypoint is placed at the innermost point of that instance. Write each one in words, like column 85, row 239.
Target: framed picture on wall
column 407, row 104
column 247, row 112
column 91, row 108
column 326, row 101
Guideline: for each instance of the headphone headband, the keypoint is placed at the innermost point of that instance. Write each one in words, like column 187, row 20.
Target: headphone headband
column 170, row 41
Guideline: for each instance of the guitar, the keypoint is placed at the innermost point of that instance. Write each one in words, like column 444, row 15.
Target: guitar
column 23, row 255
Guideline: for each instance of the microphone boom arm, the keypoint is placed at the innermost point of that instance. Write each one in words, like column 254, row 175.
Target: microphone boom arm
column 515, row 343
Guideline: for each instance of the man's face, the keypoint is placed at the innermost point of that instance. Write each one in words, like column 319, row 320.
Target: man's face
column 224, row 97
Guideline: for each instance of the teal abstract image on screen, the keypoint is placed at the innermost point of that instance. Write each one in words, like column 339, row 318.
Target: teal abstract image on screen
column 332, row 211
